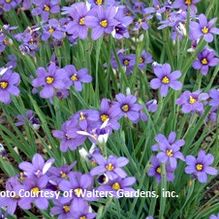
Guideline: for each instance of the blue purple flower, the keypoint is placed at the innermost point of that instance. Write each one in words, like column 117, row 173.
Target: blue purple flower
column 168, row 149
column 127, row 106
column 111, row 166
column 68, row 136
column 37, row 168
column 29, row 116
column 204, row 29
column 78, row 183
column 165, row 79
column 214, row 216
column 57, row 174
column 82, row 210
column 36, row 186
column 119, row 184
column 7, row 5
column 77, row 78
column 214, row 98
column 101, row 20
column 62, row 208
column 156, row 170
column 121, row 29
column 107, row 113
column 99, row 3
column 77, row 25
column 45, row 8
column 186, row 4
column 206, row 59
column 52, row 29
column 49, row 80
column 144, row 59
column 200, row 167
column 152, row 105
column 9, row 82
column 192, row 101
column 11, row 203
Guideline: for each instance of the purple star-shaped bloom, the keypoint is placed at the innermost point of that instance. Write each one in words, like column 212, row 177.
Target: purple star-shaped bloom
column 192, row 101
column 127, row 106
column 9, row 82
column 204, row 29
column 111, row 166
column 200, row 166
column 206, row 59
column 101, row 20
column 49, row 80
column 165, row 79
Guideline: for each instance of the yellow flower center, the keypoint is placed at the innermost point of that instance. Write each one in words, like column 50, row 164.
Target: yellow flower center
column 188, row 2
column 82, row 116
column 104, row 23
column 158, row 170
column 141, row 60
column 78, row 192
column 192, row 100
column 46, row 8
column 104, row 117
column 66, row 208
column 74, row 77
column 125, row 108
column 49, row 80
column 82, row 21
column 116, row 186
column 3, row 84
column 126, row 62
column 169, row 153
column 99, row 2
column 35, row 190
column 205, row 30
column 204, row 61
column 110, row 167
column 199, row 167
column 63, row 175
column 165, row 80
column 83, row 217
column 51, row 30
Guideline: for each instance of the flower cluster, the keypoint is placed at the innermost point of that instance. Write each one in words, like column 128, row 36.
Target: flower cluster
column 56, row 79
column 195, row 102
column 30, row 40
column 168, row 151
column 136, row 42
column 39, row 178
column 95, row 124
column 129, row 61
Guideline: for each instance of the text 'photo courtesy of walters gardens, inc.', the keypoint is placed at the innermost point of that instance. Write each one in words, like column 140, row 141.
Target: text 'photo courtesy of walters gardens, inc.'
column 87, row 194
column 109, row 109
